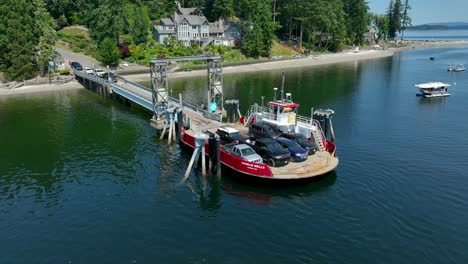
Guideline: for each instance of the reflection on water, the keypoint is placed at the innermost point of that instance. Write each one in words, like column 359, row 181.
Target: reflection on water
column 84, row 179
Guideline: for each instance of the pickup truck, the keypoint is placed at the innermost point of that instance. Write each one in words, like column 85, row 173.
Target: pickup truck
column 243, row 151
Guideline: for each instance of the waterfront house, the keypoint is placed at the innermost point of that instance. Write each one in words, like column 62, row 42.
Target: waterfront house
column 189, row 26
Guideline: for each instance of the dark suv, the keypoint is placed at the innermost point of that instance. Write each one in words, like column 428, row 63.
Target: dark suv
column 271, row 152
column 261, row 130
column 302, row 141
column 229, row 134
column 76, row 65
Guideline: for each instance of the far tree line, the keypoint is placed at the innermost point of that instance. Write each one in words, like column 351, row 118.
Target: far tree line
column 28, row 28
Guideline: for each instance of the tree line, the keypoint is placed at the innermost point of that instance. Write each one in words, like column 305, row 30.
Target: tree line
column 316, row 25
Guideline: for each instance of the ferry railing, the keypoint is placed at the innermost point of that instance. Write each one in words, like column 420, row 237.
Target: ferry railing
column 304, row 119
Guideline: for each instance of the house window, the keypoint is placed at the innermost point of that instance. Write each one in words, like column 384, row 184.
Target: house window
column 170, row 27
column 194, row 27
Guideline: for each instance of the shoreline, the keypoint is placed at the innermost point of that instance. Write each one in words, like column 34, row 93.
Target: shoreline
column 340, row 57
column 27, row 89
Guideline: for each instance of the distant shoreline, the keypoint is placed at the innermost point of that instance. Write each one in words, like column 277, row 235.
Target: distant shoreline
column 341, row 57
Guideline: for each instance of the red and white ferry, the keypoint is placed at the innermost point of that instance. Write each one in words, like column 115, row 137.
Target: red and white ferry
column 283, row 115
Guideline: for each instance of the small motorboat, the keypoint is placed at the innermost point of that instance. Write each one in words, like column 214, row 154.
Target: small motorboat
column 433, row 89
column 456, row 68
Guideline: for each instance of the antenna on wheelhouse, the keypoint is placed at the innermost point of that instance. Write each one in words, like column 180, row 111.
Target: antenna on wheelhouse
column 274, row 98
column 282, row 88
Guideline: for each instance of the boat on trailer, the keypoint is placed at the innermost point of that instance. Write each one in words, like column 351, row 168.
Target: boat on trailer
column 283, row 114
column 433, row 89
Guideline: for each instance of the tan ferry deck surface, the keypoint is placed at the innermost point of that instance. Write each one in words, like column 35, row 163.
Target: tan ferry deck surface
column 315, row 165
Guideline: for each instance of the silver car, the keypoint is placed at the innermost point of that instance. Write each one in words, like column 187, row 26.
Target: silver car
column 245, row 152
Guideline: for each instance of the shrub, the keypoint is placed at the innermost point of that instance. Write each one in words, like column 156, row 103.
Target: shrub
column 65, row 71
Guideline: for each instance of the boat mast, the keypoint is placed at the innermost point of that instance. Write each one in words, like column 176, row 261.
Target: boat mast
column 282, row 88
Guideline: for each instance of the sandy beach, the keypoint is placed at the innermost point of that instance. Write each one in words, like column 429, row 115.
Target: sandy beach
column 345, row 56
column 74, row 85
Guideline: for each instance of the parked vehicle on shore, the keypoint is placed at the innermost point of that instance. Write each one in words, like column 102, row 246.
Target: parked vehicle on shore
column 76, row 65
column 112, row 76
column 271, row 152
column 99, row 72
column 88, row 70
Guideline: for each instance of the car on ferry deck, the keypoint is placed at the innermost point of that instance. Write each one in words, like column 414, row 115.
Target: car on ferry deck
column 298, row 153
column 271, row 152
column 261, row 130
column 302, row 141
column 228, row 134
column 245, row 152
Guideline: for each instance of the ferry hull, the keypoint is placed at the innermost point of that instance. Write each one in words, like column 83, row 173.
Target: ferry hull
column 319, row 164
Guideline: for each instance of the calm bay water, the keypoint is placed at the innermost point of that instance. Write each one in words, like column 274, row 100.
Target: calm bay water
column 437, row 35
column 84, row 179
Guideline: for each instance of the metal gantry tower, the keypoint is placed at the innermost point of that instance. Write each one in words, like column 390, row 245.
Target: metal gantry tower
column 159, row 84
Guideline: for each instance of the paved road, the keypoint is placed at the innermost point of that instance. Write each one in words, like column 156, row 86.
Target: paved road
column 85, row 61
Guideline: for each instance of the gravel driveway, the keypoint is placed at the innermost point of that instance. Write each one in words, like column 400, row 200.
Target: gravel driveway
column 85, row 61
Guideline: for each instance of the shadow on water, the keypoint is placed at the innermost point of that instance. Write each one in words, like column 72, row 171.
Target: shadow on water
column 261, row 192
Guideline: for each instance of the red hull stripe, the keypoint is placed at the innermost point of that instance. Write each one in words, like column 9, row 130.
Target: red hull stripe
column 235, row 163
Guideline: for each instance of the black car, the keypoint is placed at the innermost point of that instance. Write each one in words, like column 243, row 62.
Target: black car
column 76, row 65
column 112, row 76
column 229, row 134
column 271, row 152
column 261, row 130
column 302, row 141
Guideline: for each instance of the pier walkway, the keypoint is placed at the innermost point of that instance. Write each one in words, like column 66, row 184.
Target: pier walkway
column 143, row 96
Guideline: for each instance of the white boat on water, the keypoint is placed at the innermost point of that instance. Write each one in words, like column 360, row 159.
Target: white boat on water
column 433, row 89
column 456, row 68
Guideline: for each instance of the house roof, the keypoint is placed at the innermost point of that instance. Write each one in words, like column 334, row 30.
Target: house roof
column 216, row 28
column 193, row 20
column 221, row 26
column 187, row 11
column 167, row 22
column 161, row 30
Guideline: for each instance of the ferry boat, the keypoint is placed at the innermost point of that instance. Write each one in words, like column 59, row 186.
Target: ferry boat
column 283, row 114
column 433, row 89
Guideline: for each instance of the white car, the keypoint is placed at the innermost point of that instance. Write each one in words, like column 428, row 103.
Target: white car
column 99, row 72
column 88, row 70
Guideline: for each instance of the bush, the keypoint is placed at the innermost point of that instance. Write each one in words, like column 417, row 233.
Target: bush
column 65, row 71
column 83, row 45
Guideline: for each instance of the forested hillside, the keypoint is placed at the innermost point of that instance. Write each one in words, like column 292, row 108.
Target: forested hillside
column 28, row 27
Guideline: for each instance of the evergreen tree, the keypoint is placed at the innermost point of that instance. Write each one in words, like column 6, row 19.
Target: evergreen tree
column 405, row 19
column 109, row 20
column 26, row 38
column 141, row 25
column 258, row 27
column 108, row 52
column 45, row 48
column 356, row 20
column 394, row 18
column 158, row 9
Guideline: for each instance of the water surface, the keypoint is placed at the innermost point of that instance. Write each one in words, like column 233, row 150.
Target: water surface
column 84, row 179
